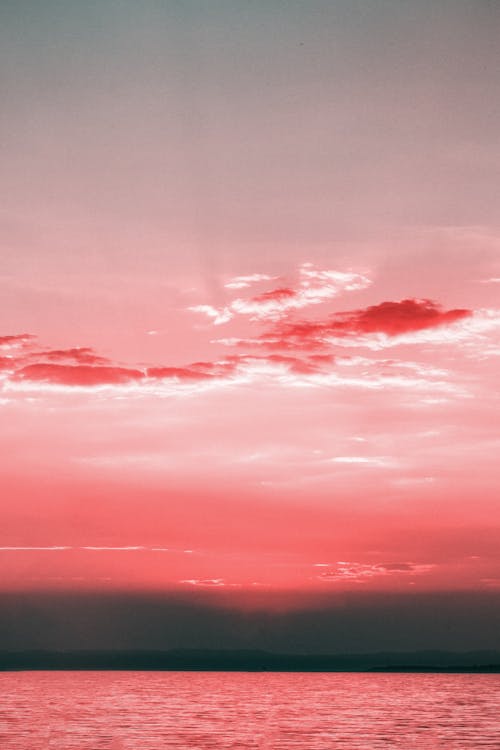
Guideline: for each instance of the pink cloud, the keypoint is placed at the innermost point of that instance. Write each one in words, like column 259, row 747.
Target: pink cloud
column 301, row 368
column 83, row 355
column 282, row 293
column 196, row 371
column 77, row 375
column 178, row 373
column 394, row 318
column 313, row 286
column 241, row 282
column 390, row 319
column 6, row 363
column 16, row 339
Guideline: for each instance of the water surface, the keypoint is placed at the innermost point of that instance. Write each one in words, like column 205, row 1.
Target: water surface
column 235, row 711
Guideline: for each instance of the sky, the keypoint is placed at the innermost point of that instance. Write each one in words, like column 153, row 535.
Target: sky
column 250, row 320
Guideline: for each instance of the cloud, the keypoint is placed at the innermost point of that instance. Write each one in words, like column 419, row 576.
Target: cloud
column 52, row 548
column 236, row 366
column 6, row 363
column 241, row 282
column 213, row 583
column 82, row 367
column 204, row 582
column 394, row 318
column 128, row 548
column 275, row 295
column 93, row 548
column 83, row 355
column 292, row 353
column 285, row 369
column 361, row 572
column 387, row 318
column 77, row 375
column 219, row 315
column 375, row 327
column 313, row 286
column 295, row 365
column 271, row 304
column 195, row 371
column 178, row 373
column 16, row 340
column 362, row 461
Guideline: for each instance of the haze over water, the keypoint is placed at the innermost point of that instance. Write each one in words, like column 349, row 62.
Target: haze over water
column 199, row 710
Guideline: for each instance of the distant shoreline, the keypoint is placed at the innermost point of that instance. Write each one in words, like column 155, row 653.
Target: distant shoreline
column 474, row 662
column 494, row 669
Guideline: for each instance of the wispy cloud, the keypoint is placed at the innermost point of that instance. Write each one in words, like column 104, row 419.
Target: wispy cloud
column 242, row 282
column 94, row 548
column 52, row 548
column 365, row 461
column 356, row 572
column 217, row 583
column 313, row 286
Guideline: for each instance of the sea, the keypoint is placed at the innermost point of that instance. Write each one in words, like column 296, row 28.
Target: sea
column 240, row 710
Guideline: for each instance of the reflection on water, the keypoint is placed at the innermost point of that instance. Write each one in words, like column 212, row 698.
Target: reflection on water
column 202, row 711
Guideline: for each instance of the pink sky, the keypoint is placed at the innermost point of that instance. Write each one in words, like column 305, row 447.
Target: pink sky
column 250, row 278
column 331, row 435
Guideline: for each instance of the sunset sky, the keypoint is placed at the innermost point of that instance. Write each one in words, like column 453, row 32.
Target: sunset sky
column 250, row 287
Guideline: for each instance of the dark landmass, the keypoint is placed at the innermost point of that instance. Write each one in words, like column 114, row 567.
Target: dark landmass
column 251, row 661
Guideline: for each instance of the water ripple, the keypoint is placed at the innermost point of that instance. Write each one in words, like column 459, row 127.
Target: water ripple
column 254, row 711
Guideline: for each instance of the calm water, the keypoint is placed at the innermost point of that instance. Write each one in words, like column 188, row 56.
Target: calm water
column 198, row 711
